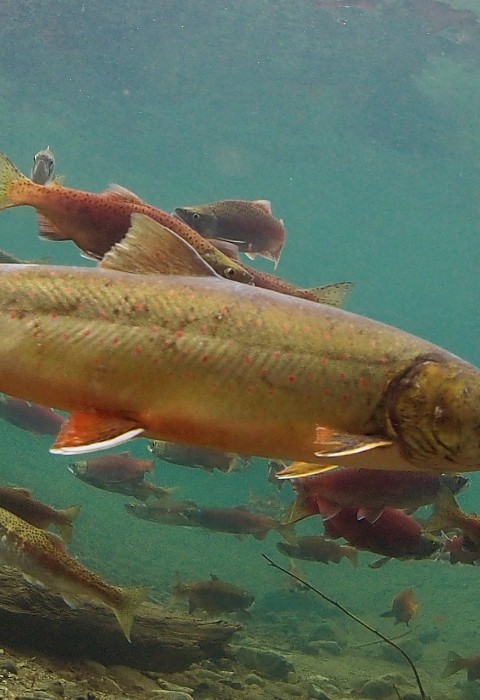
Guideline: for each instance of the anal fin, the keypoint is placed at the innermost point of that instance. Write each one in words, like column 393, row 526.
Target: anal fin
column 89, row 432
column 333, row 443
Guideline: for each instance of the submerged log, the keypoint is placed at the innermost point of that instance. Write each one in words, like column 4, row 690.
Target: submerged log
column 38, row 620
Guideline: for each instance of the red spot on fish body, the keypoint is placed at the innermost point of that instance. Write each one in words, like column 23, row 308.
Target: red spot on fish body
column 13, row 314
column 205, row 358
column 248, row 360
column 66, row 336
column 54, row 315
column 277, row 354
column 179, row 334
column 363, row 382
column 292, row 379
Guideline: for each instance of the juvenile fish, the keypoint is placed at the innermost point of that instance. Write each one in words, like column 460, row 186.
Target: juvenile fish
column 109, row 468
column 238, row 521
column 447, row 513
column 43, row 168
column 20, row 502
column 318, row 548
column 404, row 607
column 137, row 487
column 249, row 225
column 41, row 557
column 172, row 513
column 198, row 457
column 213, row 597
column 95, row 222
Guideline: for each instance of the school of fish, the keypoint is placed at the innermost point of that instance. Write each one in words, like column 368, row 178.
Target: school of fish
column 220, row 364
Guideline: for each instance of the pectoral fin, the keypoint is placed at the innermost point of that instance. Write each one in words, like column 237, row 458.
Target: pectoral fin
column 299, row 469
column 89, row 432
column 335, row 444
column 333, row 294
column 149, row 248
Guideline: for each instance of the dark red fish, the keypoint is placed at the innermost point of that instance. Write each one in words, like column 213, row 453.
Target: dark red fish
column 369, row 491
column 395, row 534
column 28, row 416
column 461, row 550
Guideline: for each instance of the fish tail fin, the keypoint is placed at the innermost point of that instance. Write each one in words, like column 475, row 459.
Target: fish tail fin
column 333, row 294
column 300, row 509
column 66, row 528
column 287, row 530
column 9, row 174
column 445, row 511
column 454, row 664
column 179, row 591
column 352, row 555
column 124, row 611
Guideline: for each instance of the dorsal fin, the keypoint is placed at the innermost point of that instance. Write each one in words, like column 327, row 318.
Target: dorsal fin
column 333, row 294
column 265, row 204
column 152, row 249
column 119, row 192
column 229, row 249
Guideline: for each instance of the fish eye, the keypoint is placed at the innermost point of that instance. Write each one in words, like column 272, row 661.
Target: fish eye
column 230, row 273
column 195, row 216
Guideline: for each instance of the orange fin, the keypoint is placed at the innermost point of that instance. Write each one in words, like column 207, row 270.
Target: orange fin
column 89, row 432
column 336, row 444
column 49, row 231
column 298, row 510
column 152, row 249
column 119, row 192
column 333, row 294
column 299, row 469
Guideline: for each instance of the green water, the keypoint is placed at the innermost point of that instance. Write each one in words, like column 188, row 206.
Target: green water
column 362, row 128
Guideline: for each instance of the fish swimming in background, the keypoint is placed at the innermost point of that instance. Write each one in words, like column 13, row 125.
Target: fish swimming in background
column 249, row 225
column 121, row 466
column 318, row 548
column 404, row 607
column 41, row 557
column 460, row 549
column 43, row 168
column 198, row 457
column 136, row 486
column 238, row 521
column 447, row 513
column 210, row 363
column 330, row 294
column 20, row 502
column 36, row 419
column 213, row 597
column 369, row 491
column 395, row 534
column 456, row 663
column 9, row 259
column 165, row 514
column 95, row 222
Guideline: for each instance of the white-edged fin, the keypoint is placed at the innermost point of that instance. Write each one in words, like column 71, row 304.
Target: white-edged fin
column 264, row 204
column 149, row 248
column 97, row 446
column 333, row 443
column 251, row 256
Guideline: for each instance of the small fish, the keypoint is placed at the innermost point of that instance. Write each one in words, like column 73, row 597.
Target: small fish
column 273, row 506
column 447, row 513
column 238, row 521
column 334, row 295
column 171, row 514
column 41, row 557
column 318, row 548
column 298, row 585
column 43, row 168
column 404, row 607
column 213, row 597
column 456, row 663
column 198, row 457
column 114, row 467
column 95, row 222
column 370, row 491
column 30, row 417
column 249, row 225
column 460, row 550
column 274, row 466
column 136, row 487
column 20, row 502
column 395, row 534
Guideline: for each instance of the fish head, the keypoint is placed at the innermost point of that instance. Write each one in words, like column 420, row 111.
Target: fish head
column 454, row 482
column 202, row 222
column 43, row 167
column 78, row 469
column 434, row 412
